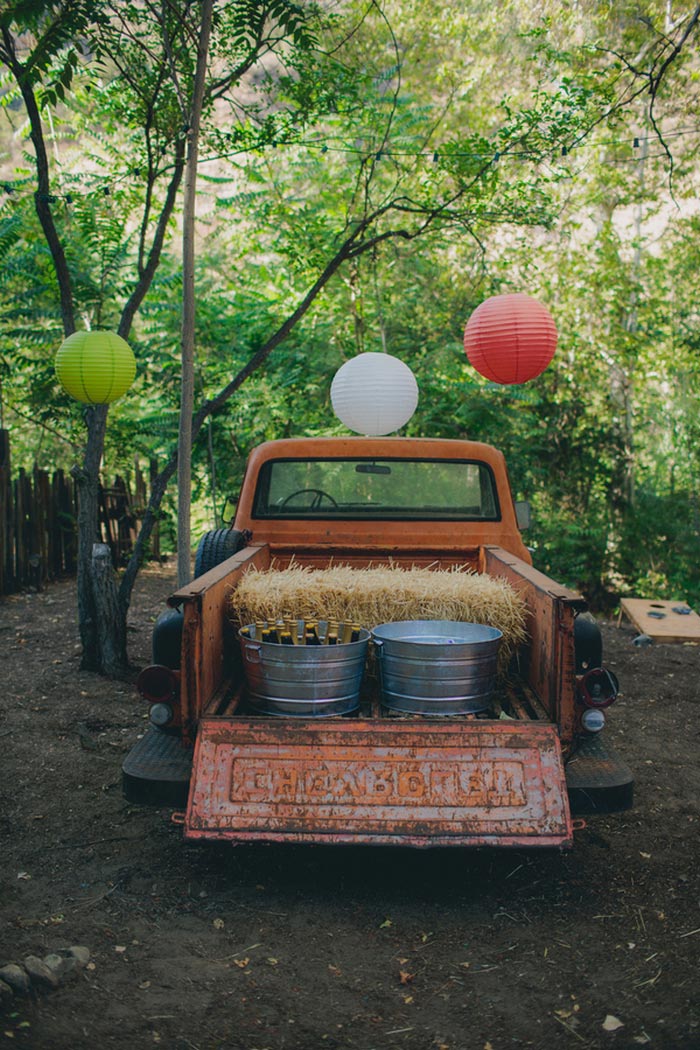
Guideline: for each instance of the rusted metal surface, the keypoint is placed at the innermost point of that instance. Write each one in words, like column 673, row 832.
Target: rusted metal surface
column 498, row 560
column 565, row 708
column 207, row 631
column 418, row 783
column 190, row 673
column 255, row 553
column 550, row 667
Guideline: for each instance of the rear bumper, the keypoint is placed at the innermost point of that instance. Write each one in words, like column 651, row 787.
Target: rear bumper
column 597, row 779
column 157, row 770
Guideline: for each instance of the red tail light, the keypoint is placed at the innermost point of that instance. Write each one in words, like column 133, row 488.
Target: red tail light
column 597, row 688
column 158, row 683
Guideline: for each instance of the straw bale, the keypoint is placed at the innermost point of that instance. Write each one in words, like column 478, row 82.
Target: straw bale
column 382, row 594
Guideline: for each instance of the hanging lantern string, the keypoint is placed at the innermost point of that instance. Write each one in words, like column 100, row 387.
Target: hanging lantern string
column 105, row 187
column 102, row 186
column 435, row 154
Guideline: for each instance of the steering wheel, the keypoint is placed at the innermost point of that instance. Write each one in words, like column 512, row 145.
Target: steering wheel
column 318, row 494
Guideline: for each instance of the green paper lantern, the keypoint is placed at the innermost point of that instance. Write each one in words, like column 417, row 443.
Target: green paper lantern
column 95, row 367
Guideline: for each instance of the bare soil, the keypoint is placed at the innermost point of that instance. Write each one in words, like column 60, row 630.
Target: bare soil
column 298, row 947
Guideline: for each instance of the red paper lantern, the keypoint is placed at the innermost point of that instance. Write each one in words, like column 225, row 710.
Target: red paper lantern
column 510, row 338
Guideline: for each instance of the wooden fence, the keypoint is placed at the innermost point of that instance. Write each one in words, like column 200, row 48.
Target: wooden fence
column 38, row 522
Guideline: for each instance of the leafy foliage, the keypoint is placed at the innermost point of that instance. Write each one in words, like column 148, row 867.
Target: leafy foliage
column 439, row 184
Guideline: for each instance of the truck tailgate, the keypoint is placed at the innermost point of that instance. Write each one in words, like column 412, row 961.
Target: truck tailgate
column 414, row 782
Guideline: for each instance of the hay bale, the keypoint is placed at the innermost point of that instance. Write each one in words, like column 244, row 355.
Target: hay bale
column 384, row 594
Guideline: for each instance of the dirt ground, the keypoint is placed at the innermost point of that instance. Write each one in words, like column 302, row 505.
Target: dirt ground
column 298, row 947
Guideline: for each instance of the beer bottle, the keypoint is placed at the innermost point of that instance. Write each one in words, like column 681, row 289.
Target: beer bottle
column 312, row 626
column 331, row 628
column 291, row 625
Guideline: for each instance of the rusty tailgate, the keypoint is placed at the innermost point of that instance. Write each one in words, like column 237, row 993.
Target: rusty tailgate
column 413, row 782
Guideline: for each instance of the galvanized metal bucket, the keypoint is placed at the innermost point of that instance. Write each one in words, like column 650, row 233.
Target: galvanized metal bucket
column 436, row 667
column 304, row 680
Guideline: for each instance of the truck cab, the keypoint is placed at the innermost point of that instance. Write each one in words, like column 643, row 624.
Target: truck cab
column 405, row 495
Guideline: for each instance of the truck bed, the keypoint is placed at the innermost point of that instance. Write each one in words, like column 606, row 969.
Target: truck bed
column 496, row 777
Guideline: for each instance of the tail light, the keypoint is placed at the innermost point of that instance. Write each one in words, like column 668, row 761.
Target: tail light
column 597, row 688
column 161, row 686
column 593, row 720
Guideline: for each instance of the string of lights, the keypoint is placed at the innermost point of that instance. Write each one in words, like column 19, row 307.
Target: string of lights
column 435, row 154
column 105, row 185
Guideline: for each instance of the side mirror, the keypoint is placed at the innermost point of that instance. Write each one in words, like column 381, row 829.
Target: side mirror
column 523, row 514
column 228, row 512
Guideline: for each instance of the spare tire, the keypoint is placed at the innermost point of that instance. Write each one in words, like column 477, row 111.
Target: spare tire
column 216, row 546
column 588, row 643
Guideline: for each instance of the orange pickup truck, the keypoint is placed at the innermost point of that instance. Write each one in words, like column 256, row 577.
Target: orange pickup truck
column 512, row 775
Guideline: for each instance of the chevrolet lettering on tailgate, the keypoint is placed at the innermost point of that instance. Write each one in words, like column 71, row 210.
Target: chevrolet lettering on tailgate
column 378, row 783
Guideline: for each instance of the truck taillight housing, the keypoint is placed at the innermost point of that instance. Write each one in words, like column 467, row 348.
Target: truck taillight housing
column 597, row 688
column 160, row 685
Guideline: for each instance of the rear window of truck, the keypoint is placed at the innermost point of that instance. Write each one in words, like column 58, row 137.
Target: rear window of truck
column 377, row 489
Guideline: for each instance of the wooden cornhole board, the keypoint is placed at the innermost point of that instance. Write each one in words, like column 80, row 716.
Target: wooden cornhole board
column 672, row 627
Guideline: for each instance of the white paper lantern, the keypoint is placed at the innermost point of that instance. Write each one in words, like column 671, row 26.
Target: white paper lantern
column 374, row 394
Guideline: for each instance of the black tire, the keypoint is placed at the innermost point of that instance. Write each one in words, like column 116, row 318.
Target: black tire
column 588, row 643
column 216, row 546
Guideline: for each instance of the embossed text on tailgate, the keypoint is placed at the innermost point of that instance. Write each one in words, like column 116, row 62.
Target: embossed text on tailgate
column 415, row 782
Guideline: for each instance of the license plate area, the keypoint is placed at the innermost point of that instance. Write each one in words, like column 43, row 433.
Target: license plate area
column 419, row 783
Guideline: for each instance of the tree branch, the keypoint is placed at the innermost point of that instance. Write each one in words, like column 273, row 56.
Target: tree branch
column 42, row 194
column 656, row 80
column 146, row 275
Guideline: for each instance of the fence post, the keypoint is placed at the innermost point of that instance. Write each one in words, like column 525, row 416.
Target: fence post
column 6, row 516
column 67, row 522
column 41, row 525
column 23, row 497
column 155, row 535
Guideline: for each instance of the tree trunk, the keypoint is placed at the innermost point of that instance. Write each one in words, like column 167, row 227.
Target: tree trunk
column 94, row 596
column 184, row 463
column 110, row 627
column 42, row 195
column 631, row 325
